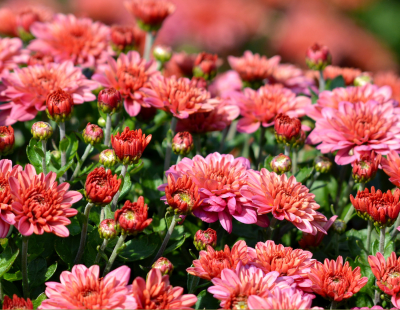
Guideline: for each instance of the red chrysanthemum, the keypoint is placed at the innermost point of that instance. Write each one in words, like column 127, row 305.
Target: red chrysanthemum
column 7, row 139
column 101, row 186
column 59, row 105
column 365, row 168
column 287, row 129
column 126, row 38
column 203, row 239
column 391, row 166
column 16, row 303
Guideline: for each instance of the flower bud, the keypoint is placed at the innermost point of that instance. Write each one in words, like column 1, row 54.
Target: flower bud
column 107, row 229
column 101, row 186
column 318, row 57
column 101, row 122
column 164, row 265
column 287, row 130
column 322, row 164
column 162, row 53
column 59, row 106
column 365, row 168
column 339, row 226
column 182, row 143
column 181, row 220
column 205, row 66
column 281, row 164
column 7, row 140
column 109, row 100
column 41, row 131
column 204, row 238
column 108, row 158
column 92, row 134
column 363, row 79
column 56, row 154
column 125, row 38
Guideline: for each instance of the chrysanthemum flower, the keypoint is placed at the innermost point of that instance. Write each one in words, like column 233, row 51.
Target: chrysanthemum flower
column 211, row 263
column 355, row 128
column 40, row 205
column 335, row 281
column 262, row 106
column 181, row 65
column 101, row 186
column 391, row 166
column 7, row 170
column 38, row 58
column 156, row 292
column 312, row 241
column 287, row 261
column 126, row 38
column 177, row 96
column 387, row 275
column 132, row 219
column 390, row 79
column 83, row 288
column 28, row 87
column 128, row 74
column 348, row 74
column 7, row 140
column 225, row 83
column 285, row 199
column 67, row 37
column 235, row 286
column 205, row 238
column 219, row 179
column 11, row 54
column 17, row 303
column 365, row 169
column 382, row 208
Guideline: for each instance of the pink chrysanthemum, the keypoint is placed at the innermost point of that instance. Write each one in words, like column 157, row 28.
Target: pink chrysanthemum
column 127, row 75
column 67, row 37
column 178, row 96
column 6, row 171
column 28, row 87
column 11, row 54
column 40, row 205
column 225, row 83
column 219, row 179
column 284, row 198
column 391, row 166
column 358, row 127
column 262, row 106
column 84, row 289
column 156, row 292
column 235, row 287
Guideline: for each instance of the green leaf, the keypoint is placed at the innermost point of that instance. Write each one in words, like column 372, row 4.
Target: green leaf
column 267, row 162
column 74, row 228
column 175, row 245
column 140, row 248
column 304, row 174
column 192, row 282
column 7, row 258
column 72, row 146
column 39, row 151
column 13, row 276
column 33, row 156
column 67, row 248
column 363, row 300
column 38, row 301
column 337, row 82
column 37, row 272
column 158, row 224
column 206, row 301
column 126, row 187
column 50, row 271
column 64, row 143
column 63, row 169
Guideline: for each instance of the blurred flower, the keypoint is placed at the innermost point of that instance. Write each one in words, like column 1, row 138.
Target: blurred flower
column 41, row 131
column 390, row 79
column 281, row 164
column 6, row 213
column 380, row 207
column 287, row 129
column 164, row 265
column 182, row 143
column 262, row 106
column 107, row 229
column 367, row 308
column 203, row 239
column 126, row 38
column 7, row 140
column 322, row 164
column 156, row 292
column 339, row 226
column 312, row 241
column 92, row 134
column 318, row 57
column 101, row 186
column 9, row 23
column 67, row 37
column 181, row 65
column 225, row 83
column 132, row 218
column 38, row 58
column 108, row 158
column 294, row 263
column 11, row 54
column 349, row 74
column 40, row 205
column 285, row 199
column 17, row 303
column 335, row 281
column 355, row 128
column 365, row 168
column 177, row 96
column 162, row 53
column 59, row 106
column 391, row 166
column 235, row 287
column 363, row 79
column 211, row 263
column 28, row 88
column 109, row 100
column 129, row 74
column 83, row 288
column 150, row 14
column 206, row 66
column 130, row 145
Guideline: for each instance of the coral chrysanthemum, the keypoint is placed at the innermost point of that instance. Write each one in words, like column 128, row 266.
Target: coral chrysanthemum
column 84, row 289
column 309, row 240
column 156, row 292
column 178, row 96
column 354, row 128
column 6, row 171
column 234, row 287
column 28, row 88
column 262, row 106
column 219, row 179
column 131, row 219
column 101, row 186
column 287, row 261
column 11, row 54
column 67, row 37
column 391, row 166
column 390, row 79
column 17, row 303
column 335, row 281
column 128, row 74
column 285, row 199
column 365, row 169
column 211, row 263
column 40, row 205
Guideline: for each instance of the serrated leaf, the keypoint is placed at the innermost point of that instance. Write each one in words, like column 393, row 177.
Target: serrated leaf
column 303, row 174
column 34, row 158
column 7, row 258
column 126, row 187
column 38, row 301
column 140, row 248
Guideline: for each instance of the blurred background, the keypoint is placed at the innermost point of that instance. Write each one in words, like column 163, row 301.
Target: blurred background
column 359, row 33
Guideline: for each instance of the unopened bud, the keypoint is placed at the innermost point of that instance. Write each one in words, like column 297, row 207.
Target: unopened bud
column 108, row 158
column 93, row 134
column 365, row 168
column 318, row 57
column 362, row 80
column 204, row 238
column 7, row 140
column 41, row 131
column 109, row 101
column 182, row 143
column 164, row 265
column 56, row 154
column 322, row 164
column 107, row 229
column 181, row 219
column 101, row 122
column 162, row 53
column 205, row 66
column 59, row 106
column 287, row 130
column 339, row 226
column 281, row 164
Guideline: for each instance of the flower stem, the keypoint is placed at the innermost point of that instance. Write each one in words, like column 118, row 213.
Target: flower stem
column 395, row 231
column 270, row 229
column 107, row 136
column 333, row 305
column 148, row 44
column 342, row 204
column 83, row 234
column 101, row 250
column 166, row 238
column 114, row 254
column 315, row 177
column 61, row 125
column 24, row 266
column 287, row 150
column 294, row 162
column 262, row 142
column 321, row 81
column 88, row 150
column 178, row 159
column 44, row 142
column 224, row 135
column 102, row 215
column 115, row 199
column 369, row 233
column 168, row 151
column 382, row 250
column 197, row 143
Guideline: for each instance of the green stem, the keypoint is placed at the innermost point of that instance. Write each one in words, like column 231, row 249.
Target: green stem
column 102, row 215
column 101, row 250
column 333, row 305
column 246, row 146
column 24, row 266
column 271, row 228
column 178, row 159
column 61, row 125
column 83, row 234
column 342, row 204
column 395, row 231
column 321, row 81
column 315, row 177
column 224, row 135
column 44, row 142
column 262, row 141
column 107, row 136
column 148, row 44
column 166, row 238
column 369, row 234
column 287, row 150
column 168, row 151
column 88, row 150
column 294, row 162
column 114, row 254
column 197, row 143
column 116, row 197
column 382, row 251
